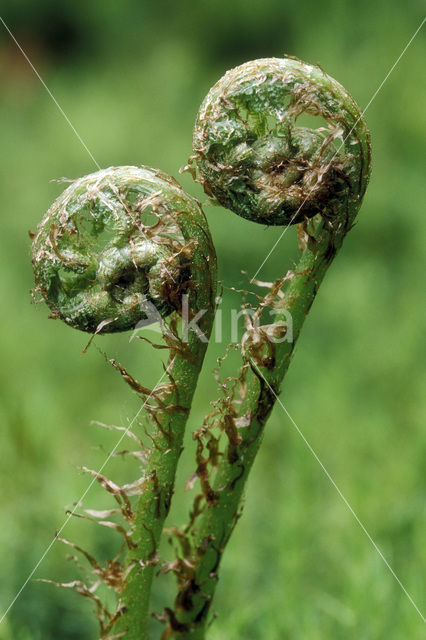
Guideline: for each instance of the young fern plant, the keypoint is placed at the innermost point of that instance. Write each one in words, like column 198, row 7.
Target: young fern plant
column 254, row 158
column 123, row 246
column 126, row 240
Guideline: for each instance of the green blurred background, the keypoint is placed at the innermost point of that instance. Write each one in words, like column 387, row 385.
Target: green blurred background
column 130, row 75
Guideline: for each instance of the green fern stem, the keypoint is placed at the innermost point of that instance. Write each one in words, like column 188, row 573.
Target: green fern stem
column 254, row 158
column 120, row 247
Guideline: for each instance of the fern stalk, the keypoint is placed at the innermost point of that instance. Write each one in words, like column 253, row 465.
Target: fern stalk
column 272, row 173
column 120, row 247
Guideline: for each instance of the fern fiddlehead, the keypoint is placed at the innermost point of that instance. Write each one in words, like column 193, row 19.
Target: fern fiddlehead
column 106, row 247
column 256, row 159
column 115, row 247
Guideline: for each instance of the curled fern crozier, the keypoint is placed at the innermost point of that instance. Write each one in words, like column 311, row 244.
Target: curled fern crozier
column 255, row 155
column 112, row 244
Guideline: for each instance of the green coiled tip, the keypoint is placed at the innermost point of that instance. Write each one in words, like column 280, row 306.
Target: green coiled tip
column 255, row 156
column 114, row 244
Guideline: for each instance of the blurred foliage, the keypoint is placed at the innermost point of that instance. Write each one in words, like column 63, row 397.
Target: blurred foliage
column 130, row 76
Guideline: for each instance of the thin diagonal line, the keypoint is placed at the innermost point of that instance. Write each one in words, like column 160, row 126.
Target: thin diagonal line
column 315, row 455
column 79, row 502
column 343, row 142
column 50, row 94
